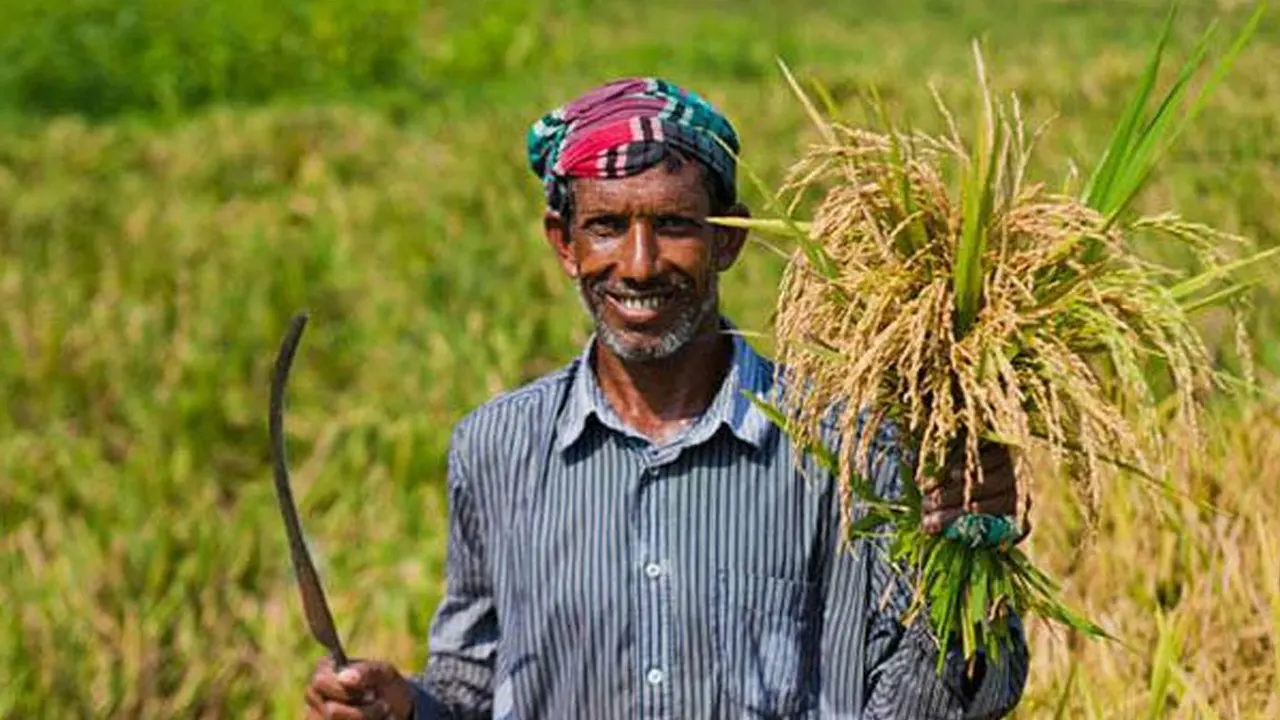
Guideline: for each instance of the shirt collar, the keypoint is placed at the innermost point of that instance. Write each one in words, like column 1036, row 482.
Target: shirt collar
column 749, row 374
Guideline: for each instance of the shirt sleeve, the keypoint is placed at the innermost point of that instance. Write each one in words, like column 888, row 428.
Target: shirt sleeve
column 458, row 679
column 898, row 664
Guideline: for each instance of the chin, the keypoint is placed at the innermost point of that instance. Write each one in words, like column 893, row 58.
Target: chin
column 633, row 346
column 645, row 349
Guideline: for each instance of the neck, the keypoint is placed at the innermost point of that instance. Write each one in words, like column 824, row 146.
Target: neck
column 659, row 397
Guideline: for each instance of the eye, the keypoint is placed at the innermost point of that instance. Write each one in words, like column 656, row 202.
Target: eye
column 676, row 225
column 605, row 225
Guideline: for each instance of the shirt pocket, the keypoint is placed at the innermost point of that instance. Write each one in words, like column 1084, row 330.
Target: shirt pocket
column 768, row 635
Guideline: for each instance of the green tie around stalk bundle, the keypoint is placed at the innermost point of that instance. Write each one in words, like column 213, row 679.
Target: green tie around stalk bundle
column 977, row 531
column 971, row 578
column 996, row 310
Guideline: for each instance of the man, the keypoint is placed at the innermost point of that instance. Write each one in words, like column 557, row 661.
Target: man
column 630, row 536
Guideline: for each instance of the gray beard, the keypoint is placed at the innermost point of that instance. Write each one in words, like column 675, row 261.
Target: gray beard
column 685, row 327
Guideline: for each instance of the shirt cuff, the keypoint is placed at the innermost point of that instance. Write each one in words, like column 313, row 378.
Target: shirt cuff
column 425, row 706
column 998, row 688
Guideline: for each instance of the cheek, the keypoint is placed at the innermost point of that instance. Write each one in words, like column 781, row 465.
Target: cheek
column 588, row 261
column 699, row 264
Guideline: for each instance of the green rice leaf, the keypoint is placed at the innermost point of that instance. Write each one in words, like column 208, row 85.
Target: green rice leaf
column 938, row 554
column 912, row 238
column 823, row 127
column 823, row 455
column 814, row 252
column 1099, row 188
column 1162, row 662
column 1154, row 138
column 977, row 198
column 1136, row 146
column 976, row 598
column 1219, row 297
column 968, row 630
column 1068, row 691
column 781, row 227
column 1193, row 285
column 1225, row 64
column 821, row 349
column 869, row 522
column 828, row 102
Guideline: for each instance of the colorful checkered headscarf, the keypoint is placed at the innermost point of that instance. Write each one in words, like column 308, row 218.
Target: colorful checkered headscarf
column 623, row 128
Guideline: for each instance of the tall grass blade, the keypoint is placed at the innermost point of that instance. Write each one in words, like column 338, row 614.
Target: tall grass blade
column 813, row 252
column 1136, row 146
column 822, row 126
column 1099, row 188
column 1163, row 661
column 1193, row 285
column 977, row 197
column 1153, row 139
column 794, row 229
column 1068, row 690
column 1219, row 297
column 1224, row 65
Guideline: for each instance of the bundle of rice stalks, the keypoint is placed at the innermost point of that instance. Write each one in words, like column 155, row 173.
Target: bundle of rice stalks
column 939, row 288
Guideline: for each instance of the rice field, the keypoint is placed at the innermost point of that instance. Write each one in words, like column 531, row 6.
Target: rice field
column 152, row 251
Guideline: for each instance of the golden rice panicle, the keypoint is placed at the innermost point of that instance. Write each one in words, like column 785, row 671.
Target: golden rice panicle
column 1059, row 353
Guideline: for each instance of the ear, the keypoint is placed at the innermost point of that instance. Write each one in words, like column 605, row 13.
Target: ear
column 729, row 241
column 556, row 230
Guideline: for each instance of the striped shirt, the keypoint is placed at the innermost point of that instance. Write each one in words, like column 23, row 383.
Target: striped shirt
column 594, row 574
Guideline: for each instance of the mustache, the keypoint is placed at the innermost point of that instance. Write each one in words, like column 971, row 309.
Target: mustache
column 673, row 285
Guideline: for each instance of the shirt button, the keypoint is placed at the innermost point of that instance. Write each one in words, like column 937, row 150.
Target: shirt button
column 653, row 570
column 655, row 676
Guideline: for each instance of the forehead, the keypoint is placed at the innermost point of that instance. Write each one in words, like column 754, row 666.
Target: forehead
column 657, row 189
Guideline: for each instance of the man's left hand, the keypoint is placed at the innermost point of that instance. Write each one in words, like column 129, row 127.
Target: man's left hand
column 995, row 493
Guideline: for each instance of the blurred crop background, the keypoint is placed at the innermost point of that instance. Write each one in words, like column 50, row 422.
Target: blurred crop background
column 178, row 178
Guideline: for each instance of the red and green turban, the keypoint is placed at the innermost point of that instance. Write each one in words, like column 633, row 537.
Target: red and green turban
column 625, row 127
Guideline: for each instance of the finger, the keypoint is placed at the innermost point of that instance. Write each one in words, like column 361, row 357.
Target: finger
column 994, row 455
column 376, row 710
column 947, row 496
column 328, row 688
column 951, row 496
column 987, row 450
column 994, row 459
column 314, row 701
column 364, row 680
column 1004, row 504
column 361, row 677
column 934, row 522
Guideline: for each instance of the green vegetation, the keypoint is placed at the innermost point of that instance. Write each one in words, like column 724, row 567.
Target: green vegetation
column 153, row 249
column 101, row 58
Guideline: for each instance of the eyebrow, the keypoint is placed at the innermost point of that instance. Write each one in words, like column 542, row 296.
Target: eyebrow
column 684, row 209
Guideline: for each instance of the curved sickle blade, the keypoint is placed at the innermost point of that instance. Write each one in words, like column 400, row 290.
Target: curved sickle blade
column 313, row 602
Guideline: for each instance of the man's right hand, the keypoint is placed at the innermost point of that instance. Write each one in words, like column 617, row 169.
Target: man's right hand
column 363, row 690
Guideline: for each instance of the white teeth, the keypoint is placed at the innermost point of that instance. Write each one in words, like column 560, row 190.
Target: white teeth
column 641, row 303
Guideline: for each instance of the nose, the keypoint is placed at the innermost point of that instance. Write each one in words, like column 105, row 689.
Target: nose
column 639, row 261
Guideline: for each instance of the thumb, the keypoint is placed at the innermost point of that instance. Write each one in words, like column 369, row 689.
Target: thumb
column 351, row 675
column 367, row 674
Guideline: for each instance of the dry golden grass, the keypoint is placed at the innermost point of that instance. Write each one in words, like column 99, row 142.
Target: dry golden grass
column 147, row 269
column 1206, row 582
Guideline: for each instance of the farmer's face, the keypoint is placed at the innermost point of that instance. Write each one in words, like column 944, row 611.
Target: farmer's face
column 645, row 258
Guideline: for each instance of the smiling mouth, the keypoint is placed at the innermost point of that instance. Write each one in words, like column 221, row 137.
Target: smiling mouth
column 641, row 305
